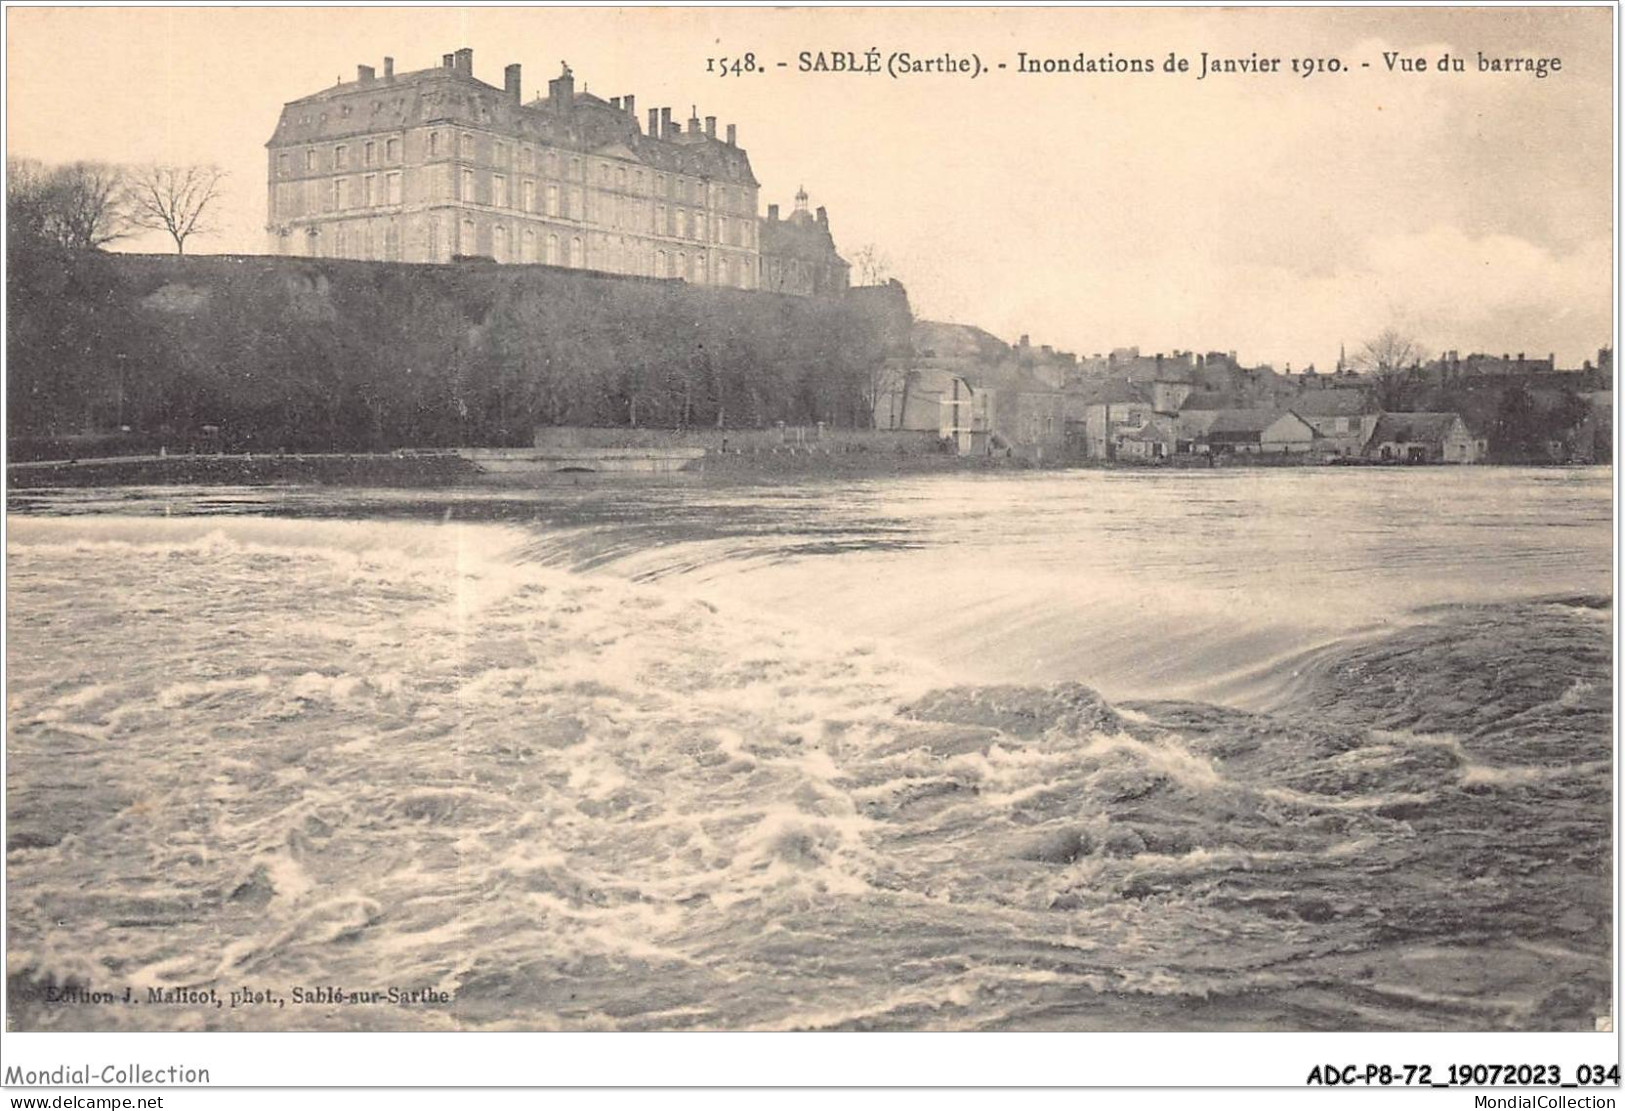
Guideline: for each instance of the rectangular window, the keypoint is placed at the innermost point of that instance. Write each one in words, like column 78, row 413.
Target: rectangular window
column 434, row 142
column 341, row 193
column 465, row 146
column 282, row 165
column 393, row 184
column 530, row 195
column 468, row 185
column 499, row 191
column 367, row 184
column 310, row 160
column 392, row 150
column 369, row 153
column 339, row 155
column 502, row 154
column 552, row 200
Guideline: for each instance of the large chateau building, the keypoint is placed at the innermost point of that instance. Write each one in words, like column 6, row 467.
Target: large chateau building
column 436, row 165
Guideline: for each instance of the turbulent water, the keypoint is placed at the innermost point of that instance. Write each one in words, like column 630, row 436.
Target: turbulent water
column 1236, row 750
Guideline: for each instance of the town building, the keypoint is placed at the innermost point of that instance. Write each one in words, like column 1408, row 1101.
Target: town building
column 1105, row 414
column 436, row 165
column 937, row 401
column 798, row 254
column 1343, row 419
column 1424, row 438
column 1256, row 431
column 974, row 390
column 1451, row 365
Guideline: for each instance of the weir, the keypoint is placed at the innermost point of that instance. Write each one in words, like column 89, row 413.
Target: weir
column 520, row 462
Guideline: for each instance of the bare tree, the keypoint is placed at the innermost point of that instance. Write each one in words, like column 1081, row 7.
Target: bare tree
column 89, row 209
column 1391, row 360
column 174, row 199
column 873, row 267
column 76, row 206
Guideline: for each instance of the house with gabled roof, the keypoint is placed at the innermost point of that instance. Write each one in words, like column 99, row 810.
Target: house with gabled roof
column 1424, row 438
column 1257, row 432
column 1343, row 418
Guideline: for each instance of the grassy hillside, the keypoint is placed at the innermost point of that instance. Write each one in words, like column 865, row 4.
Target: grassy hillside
column 261, row 353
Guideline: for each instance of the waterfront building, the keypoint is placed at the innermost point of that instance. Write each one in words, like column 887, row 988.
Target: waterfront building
column 1424, row 438
column 1343, row 419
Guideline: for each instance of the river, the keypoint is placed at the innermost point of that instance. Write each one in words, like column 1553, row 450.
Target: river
column 1248, row 749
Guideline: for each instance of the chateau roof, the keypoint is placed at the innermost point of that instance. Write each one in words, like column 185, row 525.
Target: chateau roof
column 805, row 239
column 442, row 94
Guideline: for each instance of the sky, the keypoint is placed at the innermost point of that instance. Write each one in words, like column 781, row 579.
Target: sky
column 1276, row 214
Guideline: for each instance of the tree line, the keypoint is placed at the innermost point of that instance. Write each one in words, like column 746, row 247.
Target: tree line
column 88, row 205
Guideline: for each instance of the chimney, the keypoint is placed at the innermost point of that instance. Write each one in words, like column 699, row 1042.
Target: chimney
column 510, row 81
column 446, row 60
column 561, row 91
column 1025, row 341
column 665, row 123
column 823, row 217
column 464, row 62
column 693, row 120
column 733, row 135
column 676, row 130
column 615, row 103
column 631, row 106
column 773, row 212
column 365, row 74
column 389, row 69
column 654, row 123
column 710, row 127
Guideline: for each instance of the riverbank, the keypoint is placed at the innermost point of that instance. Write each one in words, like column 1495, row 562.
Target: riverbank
column 450, row 468
column 431, row 470
column 408, row 470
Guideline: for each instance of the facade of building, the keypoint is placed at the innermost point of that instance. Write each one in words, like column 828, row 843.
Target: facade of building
column 1104, row 414
column 937, row 401
column 1343, row 418
column 798, row 254
column 435, row 165
column 1424, row 438
column 1256, row 431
